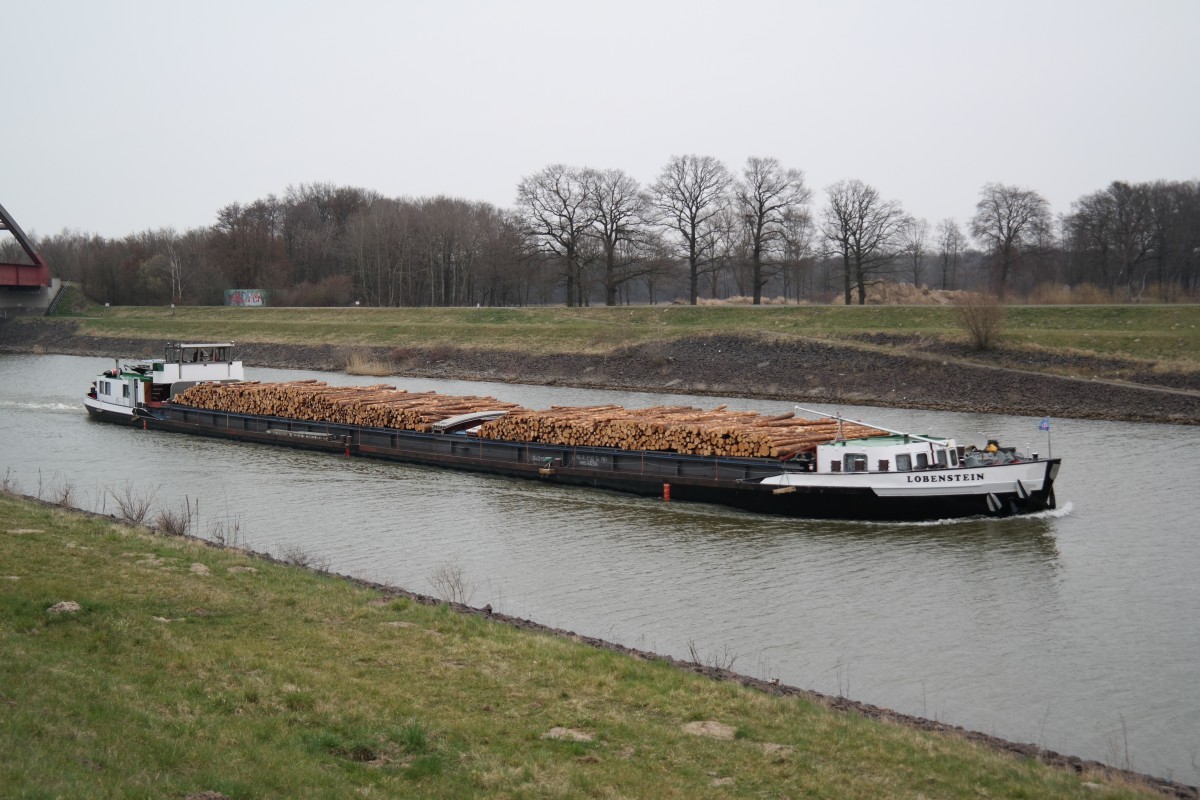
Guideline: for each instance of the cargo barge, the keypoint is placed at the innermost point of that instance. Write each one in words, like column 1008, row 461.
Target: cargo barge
column 892, row 476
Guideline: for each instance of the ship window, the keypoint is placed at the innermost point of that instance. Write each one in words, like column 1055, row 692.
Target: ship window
column 953, row 458
column 922, row 461
column 125, row 390
column 941, row 457
column 835, row 466
column 883, row 465
column 903, row 462
column 856, row 463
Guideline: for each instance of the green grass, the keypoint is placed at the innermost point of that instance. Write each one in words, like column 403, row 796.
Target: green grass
column 283, row 683
column 1168, row 335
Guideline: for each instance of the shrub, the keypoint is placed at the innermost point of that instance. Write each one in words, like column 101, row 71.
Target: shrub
column 132, row 506
column 982, row 317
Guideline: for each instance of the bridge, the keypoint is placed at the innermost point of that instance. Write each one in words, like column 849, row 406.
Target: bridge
column 35, row 275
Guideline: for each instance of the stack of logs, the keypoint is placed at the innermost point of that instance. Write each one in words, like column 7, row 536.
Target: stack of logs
column 680, row 429
column 379, row 406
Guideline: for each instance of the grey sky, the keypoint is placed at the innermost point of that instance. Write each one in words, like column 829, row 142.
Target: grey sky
column 123, row 116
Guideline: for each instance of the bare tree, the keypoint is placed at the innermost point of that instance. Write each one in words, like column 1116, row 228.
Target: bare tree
column 1175, row 233
column 503, row 271
column 951, row 244
column 730, row 238
column 558, row 210
column 766, row 194
column 315, row 216
column 248, row 239
column 660, row 263
column 1008, row 219
column 1132, row 215
column 863, row 230
column 447, row 242
column 172, row 266
column 688, row 195
column 379, row 242
column 617, row 208
column 159, row 265
column 913, row 236
column 798, row 235
column 1111, row 234
column 1129, row 235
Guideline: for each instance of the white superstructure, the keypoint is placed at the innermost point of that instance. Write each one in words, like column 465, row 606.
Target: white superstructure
column 115, row 393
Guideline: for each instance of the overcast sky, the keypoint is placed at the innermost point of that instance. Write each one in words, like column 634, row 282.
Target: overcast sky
column 124, row 116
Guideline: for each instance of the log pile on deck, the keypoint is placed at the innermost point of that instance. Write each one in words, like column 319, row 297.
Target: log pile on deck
column 679, row 429
column 379, row 406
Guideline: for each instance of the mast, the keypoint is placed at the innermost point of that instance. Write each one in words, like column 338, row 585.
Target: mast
column 839, row 418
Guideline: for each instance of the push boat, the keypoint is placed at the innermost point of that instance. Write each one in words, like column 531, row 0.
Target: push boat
column 893, row 476
column 117, row 393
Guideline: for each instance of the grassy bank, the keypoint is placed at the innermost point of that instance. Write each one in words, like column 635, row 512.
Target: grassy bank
column 1169, row 335
column 190, row 669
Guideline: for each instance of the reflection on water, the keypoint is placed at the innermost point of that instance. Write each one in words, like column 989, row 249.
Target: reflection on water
column 1067, row 629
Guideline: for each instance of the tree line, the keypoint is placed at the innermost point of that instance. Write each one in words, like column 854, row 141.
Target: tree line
column 582, row 236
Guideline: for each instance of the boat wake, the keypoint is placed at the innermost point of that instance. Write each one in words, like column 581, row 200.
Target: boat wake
column 72, row 407
column 1052, row 513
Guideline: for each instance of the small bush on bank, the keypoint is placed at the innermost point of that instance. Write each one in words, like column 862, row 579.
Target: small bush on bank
column 982, row 317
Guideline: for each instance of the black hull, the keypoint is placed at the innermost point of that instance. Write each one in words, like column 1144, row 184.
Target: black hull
column 725, row 481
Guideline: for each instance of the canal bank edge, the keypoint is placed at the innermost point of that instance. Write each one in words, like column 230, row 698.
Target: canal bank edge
column 1051, row 758
column 753, row 367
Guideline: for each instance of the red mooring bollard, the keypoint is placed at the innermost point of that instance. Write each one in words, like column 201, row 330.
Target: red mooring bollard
column 666, row 492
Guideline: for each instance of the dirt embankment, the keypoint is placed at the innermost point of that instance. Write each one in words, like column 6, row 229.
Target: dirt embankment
column 742, row 366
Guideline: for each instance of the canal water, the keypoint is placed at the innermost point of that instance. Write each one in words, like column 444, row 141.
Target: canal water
column 1077, row 630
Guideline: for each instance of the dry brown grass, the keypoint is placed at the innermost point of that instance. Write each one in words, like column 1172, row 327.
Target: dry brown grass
column 1085, row 294
column 362, row 363
column 905, row 294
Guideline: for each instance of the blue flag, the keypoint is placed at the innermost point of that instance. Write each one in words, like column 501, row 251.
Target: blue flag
column 1044, row 425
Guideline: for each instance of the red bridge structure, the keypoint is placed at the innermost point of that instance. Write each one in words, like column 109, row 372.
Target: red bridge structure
column 33, row 276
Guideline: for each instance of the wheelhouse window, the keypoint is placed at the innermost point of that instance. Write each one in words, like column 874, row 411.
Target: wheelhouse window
column 941, row 457
column 903, row 462
column 856, row 462
column 953, row 458
column 125, row 390
column 922, row 461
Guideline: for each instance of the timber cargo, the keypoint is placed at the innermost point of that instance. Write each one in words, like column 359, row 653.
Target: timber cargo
column 827, row 467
